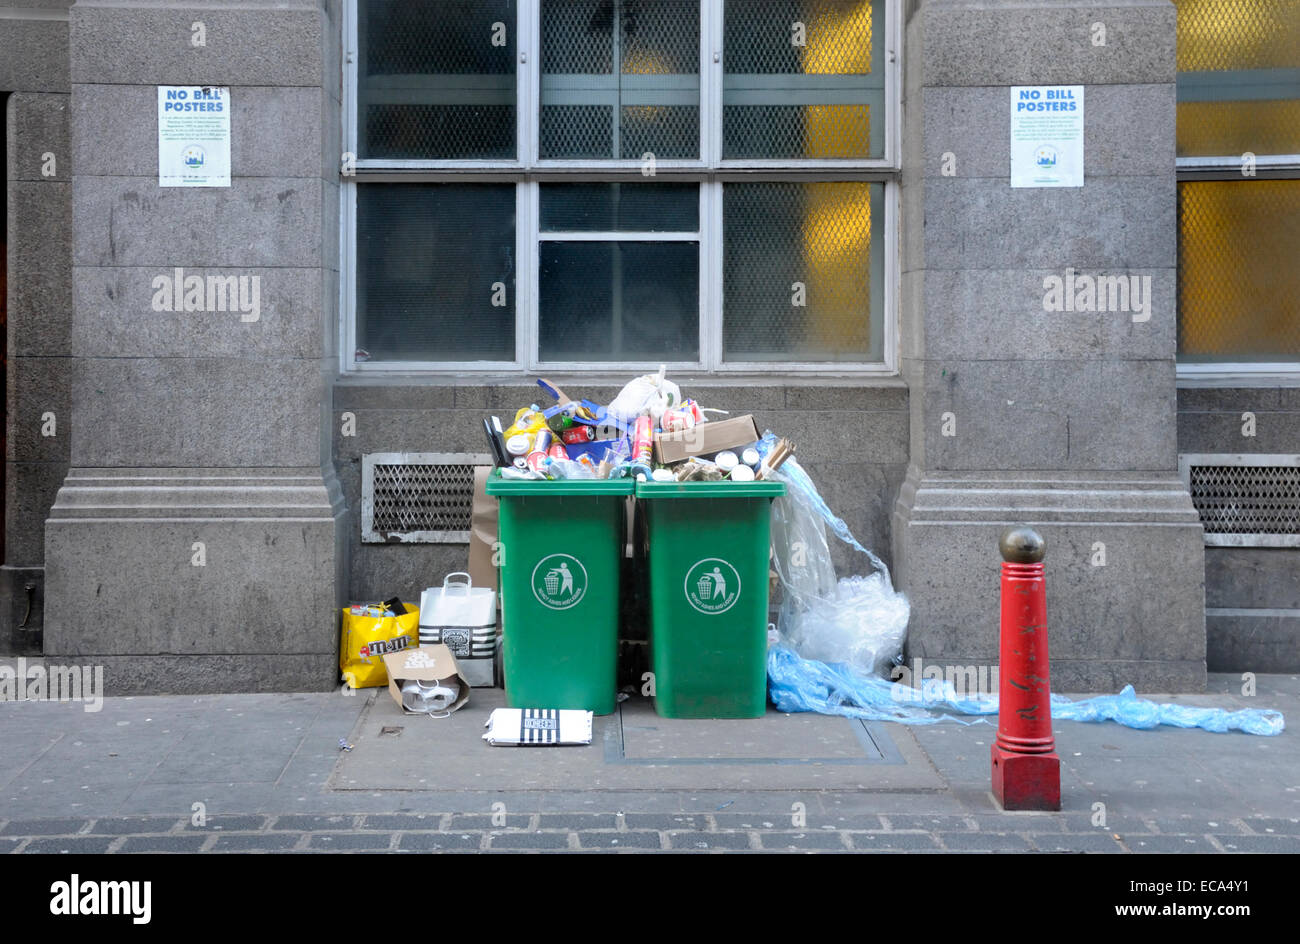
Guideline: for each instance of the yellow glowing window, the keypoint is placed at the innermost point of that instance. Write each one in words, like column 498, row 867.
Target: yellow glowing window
column 1238, row 77
column 1239, row 199
column 802, row 276
column 801, row 79
column 1238, row 277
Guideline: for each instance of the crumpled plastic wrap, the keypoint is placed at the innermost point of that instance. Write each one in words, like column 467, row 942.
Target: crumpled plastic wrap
column 1134, row 712
column 859, row 620
column 796, row 684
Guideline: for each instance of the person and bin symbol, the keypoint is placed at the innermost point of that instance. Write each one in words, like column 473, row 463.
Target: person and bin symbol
column 559, row 581
column 715, row 582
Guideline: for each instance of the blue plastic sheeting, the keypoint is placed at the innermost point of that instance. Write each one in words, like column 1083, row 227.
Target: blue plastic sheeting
column 796, row 684
column 793, row 474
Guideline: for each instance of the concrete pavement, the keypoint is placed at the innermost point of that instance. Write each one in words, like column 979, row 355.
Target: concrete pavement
column 265, row 773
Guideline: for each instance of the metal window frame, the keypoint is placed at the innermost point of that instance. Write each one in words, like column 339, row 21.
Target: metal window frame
column 710, row 171
column 1242, row 460
column 371, row 459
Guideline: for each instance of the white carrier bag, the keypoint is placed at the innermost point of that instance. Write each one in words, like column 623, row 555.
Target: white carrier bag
column 463, row 618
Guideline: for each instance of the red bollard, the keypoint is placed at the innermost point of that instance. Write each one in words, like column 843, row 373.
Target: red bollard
column 1026, row 768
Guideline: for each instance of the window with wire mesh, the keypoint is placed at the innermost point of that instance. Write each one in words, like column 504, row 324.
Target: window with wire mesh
column 802, row 276
column 1238, row 281
column 418, row 501
column 436, row 79
column 801, row 79
column 1247, row 499
column 620, row 78
column 1238, row 77
column 1238, row 101
column 431, row 284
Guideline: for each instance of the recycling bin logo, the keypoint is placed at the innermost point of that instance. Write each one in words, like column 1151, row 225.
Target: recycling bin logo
column 559, row 581
column 712, row 586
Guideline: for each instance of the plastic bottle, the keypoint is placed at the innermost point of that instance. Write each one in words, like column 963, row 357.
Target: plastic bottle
column 528, row 421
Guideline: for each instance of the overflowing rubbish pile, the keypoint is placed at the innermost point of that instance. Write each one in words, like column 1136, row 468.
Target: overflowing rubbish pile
column 649, row 432
column 728, row 514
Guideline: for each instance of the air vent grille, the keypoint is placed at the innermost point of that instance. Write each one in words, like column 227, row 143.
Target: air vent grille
column 418, row 498
column 1246, row 500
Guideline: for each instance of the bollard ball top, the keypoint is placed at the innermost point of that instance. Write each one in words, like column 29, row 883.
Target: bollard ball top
column 1022, row 545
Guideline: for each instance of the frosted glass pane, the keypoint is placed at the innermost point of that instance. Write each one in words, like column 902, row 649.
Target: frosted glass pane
column 619, row 301
column 427, row 281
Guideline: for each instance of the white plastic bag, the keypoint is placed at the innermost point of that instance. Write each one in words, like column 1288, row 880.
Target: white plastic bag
column 649, row 393
column 859, row 620
column 458, row 604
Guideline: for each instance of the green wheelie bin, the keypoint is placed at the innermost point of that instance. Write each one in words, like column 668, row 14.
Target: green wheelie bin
column 708, row 550
column 561, row 547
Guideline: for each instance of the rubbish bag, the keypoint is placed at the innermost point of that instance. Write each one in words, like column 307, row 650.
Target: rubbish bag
column 364, row 639
column 796, row 684
column 859, row 620
column 648, row 393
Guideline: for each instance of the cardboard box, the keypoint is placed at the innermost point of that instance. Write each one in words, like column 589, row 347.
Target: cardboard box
column 534, row 727
column 482, row 532
column 424, row 664
column 705, row 439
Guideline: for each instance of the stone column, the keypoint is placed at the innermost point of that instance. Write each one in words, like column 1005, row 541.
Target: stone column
column 1063, row 420
column 34, row 71
column 195, row 544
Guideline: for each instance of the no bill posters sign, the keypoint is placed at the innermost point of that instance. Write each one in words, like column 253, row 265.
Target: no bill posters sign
column 193, row 136
column 1047, row 136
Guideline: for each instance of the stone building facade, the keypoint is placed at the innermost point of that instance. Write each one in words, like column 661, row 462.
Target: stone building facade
column 141, row 444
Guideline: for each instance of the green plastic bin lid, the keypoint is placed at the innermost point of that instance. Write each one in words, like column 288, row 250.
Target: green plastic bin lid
column 496, row 485
column 724, row 489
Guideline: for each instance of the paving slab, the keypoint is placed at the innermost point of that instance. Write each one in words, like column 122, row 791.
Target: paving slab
column 632, row 749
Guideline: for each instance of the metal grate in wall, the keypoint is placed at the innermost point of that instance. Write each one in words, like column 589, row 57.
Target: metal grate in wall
column 1246, row 500
column 417, row 497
